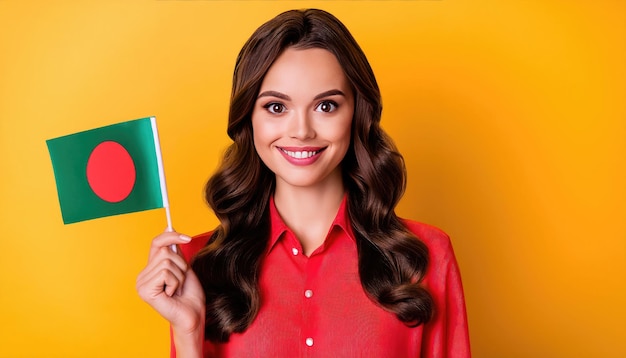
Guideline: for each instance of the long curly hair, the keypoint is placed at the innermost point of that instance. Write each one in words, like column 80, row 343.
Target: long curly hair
column 392, row 261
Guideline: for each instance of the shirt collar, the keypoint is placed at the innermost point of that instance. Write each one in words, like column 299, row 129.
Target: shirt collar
column 278, row 226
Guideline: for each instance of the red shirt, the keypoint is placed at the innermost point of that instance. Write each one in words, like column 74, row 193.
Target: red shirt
column 316, row 307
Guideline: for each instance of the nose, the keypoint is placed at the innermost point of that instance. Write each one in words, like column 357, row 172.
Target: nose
column 300, row 126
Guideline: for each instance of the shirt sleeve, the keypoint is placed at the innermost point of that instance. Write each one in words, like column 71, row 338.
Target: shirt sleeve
column 447, row 334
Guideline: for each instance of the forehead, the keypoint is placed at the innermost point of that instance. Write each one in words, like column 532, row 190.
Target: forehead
column 305, row 70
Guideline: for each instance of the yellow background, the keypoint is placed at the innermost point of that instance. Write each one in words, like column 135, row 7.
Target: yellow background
column 511, row 116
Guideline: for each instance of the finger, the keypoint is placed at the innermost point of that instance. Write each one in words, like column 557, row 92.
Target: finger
column 171, row 283
column 193, row 287
column 160, row 260
column 165, row 253
column 166, row 266
column 165, row 240
column 164, row 277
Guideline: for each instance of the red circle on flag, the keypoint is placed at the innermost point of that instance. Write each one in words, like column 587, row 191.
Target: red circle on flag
column 111, row 172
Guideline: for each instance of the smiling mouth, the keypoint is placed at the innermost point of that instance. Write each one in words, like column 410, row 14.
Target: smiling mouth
column 301, row 154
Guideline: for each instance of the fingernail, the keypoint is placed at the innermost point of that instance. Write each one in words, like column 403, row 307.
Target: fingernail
column 185, row 238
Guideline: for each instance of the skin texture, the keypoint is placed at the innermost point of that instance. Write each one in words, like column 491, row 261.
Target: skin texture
column 305, row 106
column 305, row 102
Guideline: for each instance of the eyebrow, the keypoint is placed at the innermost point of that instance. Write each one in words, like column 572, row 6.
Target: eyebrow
column 333, row 92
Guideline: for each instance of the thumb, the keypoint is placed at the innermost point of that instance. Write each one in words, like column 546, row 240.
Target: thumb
column 192, row 287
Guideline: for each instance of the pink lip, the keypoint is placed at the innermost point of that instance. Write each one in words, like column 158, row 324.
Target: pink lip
column 301, row 161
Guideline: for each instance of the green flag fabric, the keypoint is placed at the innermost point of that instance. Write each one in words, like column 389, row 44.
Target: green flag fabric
column 110, row 170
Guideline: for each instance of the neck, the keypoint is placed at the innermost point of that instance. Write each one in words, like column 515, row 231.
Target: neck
column 309, row 211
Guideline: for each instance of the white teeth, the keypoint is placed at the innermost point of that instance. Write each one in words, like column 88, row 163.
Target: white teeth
column 300, row 154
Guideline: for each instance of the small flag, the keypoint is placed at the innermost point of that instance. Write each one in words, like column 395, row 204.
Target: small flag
column 110, row 170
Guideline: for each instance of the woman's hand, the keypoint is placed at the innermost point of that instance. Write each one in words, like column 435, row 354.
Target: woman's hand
column 168, row 284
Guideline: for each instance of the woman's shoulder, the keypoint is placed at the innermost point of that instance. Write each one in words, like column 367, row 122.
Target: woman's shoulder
column 442, row 260
column 435, row 239
column 197, row 243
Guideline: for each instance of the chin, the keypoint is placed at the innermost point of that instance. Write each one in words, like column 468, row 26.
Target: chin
column 302, row 181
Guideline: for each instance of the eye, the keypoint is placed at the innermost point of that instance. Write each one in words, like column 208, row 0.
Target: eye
column 275, row 107
column 326, row 106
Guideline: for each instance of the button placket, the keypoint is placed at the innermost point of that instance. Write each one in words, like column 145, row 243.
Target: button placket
column 310, row 304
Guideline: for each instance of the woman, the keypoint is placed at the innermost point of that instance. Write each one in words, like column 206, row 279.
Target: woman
column 309, row 258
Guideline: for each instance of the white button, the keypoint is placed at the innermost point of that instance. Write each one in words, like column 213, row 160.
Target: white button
column 308, row 293
column 309, row 342
column 294, row 251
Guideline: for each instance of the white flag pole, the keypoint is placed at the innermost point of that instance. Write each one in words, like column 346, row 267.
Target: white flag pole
column 166, row 202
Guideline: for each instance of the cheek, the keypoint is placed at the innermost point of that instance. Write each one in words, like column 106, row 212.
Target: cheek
column 260, row 146
column 262, row 138
column 344, row 132
column 265, row 132
column 258, row 132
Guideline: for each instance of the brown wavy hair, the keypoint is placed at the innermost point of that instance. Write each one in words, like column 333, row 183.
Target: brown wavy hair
column 392, row 261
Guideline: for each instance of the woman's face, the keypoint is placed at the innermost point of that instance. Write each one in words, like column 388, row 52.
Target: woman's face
column 302, row 118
